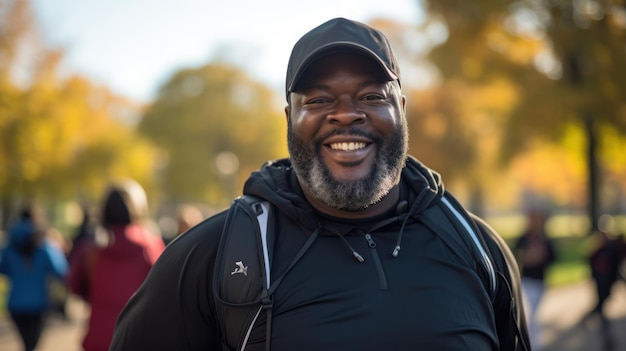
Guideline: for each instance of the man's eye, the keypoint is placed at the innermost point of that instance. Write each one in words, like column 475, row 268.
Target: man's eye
column 317, row 101
column 371, row 97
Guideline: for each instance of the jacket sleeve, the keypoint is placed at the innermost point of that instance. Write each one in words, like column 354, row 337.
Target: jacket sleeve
column 79, row 277
column 57, row 262
column 173, row 308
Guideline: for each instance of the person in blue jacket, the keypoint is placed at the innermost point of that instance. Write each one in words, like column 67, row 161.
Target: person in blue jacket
column 29, row 261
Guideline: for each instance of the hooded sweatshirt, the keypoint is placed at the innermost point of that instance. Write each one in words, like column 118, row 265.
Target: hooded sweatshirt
column 30, row 273
column 347, row 292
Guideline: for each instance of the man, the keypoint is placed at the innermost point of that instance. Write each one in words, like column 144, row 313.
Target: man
column 344, row 204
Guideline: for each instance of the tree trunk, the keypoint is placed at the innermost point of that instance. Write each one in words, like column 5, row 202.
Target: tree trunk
column 593, row 180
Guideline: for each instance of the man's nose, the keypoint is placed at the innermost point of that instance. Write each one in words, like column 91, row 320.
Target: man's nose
column 346, row 112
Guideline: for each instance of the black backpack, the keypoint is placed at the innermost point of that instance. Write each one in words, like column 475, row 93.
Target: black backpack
column 248, row 233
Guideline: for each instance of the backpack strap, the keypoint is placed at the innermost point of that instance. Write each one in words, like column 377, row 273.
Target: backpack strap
column 242, row 270
column 457, row 230
column 507, row 303
column 242, row 286
column 497, row 268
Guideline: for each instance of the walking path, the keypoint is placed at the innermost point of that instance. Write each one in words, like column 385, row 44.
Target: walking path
column 59, row 335
column 563, row 308
column 559, row 314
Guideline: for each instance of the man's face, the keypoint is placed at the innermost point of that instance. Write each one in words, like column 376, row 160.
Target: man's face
column 347, row 134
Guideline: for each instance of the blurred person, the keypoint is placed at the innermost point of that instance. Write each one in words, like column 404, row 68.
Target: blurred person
column 109, row 268
column 29, row 261
column 604, row 262
column 535, row 252
column 58, row 287
column 367, row 249
column 82, row 242
column 188, row 216
column 85, row 233
column 622, row 249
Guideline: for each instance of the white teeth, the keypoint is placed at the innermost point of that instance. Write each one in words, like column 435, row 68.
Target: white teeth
column 347, row 146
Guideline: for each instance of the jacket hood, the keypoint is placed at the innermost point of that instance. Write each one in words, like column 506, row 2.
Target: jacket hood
column 425, row 186
column 276, row 182
column 22, row 232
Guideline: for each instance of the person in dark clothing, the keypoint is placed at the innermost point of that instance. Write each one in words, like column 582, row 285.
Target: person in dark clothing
column 604, row 262
column 85, row 233
column 535, row 252
column 352, row 196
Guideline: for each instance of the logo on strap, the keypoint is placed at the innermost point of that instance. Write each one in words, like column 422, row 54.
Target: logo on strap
column 240, row 269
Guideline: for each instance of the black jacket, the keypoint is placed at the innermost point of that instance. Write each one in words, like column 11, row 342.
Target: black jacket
column 427, row 298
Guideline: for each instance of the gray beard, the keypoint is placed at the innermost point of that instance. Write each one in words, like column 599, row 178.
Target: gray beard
column 350, row 195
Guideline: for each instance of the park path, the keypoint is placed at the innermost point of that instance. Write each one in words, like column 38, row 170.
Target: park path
column 559, row 313
column 563, row 308
column 59, row 335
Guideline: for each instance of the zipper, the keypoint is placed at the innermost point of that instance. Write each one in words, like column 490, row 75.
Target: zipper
column 382, row 279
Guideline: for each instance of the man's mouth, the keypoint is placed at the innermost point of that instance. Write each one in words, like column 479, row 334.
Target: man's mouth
column 348, row 146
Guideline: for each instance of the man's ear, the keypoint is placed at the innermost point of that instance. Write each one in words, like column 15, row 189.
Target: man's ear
column 288, row 113
column 404, row 104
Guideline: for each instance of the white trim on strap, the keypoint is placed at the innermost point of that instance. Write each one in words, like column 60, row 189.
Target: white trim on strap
column 245, row 339
column 262, row 219
column 483, row 253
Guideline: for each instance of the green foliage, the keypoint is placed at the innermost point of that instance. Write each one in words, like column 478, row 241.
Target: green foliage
column 516, row 77
column 202, row 113
column 55, row 142
column 60, row 139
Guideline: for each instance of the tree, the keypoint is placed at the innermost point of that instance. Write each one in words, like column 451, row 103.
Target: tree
column 565, row 58
column 60, row 139
column 456, row 117
column 214, row 126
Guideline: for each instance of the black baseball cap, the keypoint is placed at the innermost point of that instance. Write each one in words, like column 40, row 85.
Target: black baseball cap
column 340, row 34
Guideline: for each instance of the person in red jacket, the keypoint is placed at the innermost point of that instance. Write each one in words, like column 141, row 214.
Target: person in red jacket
column 105, row 272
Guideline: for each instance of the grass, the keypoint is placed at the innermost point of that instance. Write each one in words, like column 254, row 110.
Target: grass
column 571, row 265
column 566, row 273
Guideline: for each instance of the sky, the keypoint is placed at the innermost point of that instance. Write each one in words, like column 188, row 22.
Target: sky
column 134, row 46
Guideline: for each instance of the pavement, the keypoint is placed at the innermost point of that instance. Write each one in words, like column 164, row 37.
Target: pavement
column 559, row 313
column 562, row 309
column 59, row 335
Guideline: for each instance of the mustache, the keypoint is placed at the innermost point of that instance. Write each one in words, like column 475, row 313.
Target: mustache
column 349, row 132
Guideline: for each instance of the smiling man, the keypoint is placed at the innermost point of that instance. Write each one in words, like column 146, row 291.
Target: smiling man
column 347, row 134
column 360, row 246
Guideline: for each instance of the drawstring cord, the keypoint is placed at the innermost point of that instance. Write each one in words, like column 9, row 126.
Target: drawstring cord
column 403, row 216
column 396, row 250
column 419, row 204
column 356, row 255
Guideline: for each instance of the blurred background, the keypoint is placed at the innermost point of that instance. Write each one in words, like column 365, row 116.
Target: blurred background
column 520, row 105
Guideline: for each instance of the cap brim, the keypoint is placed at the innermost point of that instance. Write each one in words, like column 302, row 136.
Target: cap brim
column 338, row 47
